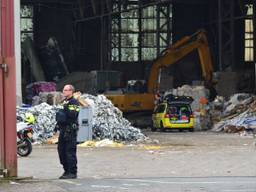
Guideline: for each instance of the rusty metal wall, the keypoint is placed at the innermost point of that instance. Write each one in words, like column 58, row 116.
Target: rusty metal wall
column 8, row 154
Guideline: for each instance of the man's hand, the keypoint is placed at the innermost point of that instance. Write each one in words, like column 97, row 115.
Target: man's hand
column 77, row 95
column 82, row 102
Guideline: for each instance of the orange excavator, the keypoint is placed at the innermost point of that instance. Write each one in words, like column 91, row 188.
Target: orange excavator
column 139, row 102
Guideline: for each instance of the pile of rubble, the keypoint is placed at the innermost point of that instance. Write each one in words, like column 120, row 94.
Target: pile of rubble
column 236, row 115
column 108, row 121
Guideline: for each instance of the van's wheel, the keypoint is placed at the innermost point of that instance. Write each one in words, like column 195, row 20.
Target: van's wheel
column 191, row 129
column 162, row 129
column 153, row 128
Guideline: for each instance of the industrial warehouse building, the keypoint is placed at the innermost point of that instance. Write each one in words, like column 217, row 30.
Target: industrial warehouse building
column 148, row 70
column 127, row 36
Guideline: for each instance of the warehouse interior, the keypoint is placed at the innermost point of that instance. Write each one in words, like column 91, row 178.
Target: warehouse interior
column 127, row 35
column 132, row 51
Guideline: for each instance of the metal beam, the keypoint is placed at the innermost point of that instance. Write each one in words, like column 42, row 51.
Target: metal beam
column 102, row 39
column 122, row 11
column 81, row 4
column 108, row 5
column 220, row 34
column 226, row 34
column 94, row 6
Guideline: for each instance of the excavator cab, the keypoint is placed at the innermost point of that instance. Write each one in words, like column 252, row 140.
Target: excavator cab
column 136, row 86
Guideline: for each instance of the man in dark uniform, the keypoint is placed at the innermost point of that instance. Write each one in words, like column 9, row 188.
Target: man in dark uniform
column 67, row 124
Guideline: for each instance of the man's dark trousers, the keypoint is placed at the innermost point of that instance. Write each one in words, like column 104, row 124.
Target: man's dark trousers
column 67, row 152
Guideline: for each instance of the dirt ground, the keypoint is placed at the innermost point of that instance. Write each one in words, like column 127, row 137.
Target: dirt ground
column 186, row 154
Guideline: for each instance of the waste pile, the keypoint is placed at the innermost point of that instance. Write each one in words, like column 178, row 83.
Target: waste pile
column 236, row 115
column 45, row 120
column 108, row 121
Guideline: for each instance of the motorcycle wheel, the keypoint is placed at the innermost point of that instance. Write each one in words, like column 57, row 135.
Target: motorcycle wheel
column 25, row 148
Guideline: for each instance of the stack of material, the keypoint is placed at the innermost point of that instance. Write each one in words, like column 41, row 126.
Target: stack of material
column 201, row 122
column 238, row 114
column 217, row 106
column 35, row 88
column 42, row 86
column 202, row 118
column 108, row 121
column 196, row 92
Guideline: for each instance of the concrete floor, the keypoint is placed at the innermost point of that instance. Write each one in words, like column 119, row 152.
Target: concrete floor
column 180, row 154
column 166, row 184
column 190, row 155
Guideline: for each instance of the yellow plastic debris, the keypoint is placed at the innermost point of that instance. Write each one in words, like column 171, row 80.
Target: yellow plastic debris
column 108, row 143
column 151, row 147
column 102, row 143
column 87, row 144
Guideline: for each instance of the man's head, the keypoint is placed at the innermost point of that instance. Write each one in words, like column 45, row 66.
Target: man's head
column 68, row 91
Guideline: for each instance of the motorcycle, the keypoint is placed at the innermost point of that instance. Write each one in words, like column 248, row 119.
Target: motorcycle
column 24, row 139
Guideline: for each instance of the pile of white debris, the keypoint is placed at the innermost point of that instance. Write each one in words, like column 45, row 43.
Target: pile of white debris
column 108, row 121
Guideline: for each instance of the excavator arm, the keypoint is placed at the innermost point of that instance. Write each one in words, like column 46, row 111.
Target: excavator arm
column 177, row 51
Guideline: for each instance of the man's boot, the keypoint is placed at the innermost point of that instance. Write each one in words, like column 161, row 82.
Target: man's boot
column 64, row 174
column 69, row 176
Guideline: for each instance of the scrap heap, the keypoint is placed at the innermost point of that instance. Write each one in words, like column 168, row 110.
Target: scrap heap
column 236, row 115
column 108, row 121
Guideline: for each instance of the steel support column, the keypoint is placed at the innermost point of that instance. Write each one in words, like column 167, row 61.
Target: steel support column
column 140, row 38
column 109, row 37
column 102, row 34
column 226, row 18
column 8, row 153
column 220, row 34
column 119, row 31
column 254, row 43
